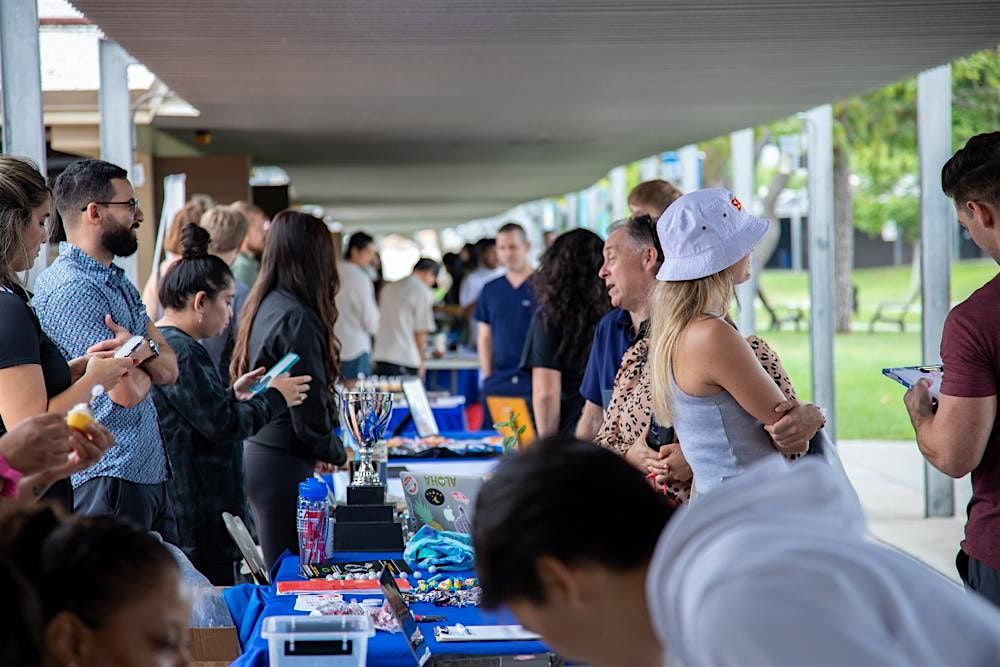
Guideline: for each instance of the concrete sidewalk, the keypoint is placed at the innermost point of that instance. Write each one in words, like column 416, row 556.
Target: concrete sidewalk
column 889, row 478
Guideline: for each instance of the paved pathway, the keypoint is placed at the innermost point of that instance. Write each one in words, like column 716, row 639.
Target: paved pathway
column 889, row 478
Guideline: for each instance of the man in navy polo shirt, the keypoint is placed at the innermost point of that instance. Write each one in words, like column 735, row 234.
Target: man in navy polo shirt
column 504, row 313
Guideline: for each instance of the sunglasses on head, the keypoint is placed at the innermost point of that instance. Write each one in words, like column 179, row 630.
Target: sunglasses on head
column 646, row 221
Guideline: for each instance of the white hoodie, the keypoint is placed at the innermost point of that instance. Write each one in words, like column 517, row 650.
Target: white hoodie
column 773, row 568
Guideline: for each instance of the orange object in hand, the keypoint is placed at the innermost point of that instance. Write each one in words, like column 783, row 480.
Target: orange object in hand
column 80, row 417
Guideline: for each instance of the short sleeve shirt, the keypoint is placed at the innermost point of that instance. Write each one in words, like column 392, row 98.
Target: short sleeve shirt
column 72, row 298
column 970, row 353
column 540, row 351
column 22, row 342
column 612, row 337
column 407, row 309
column 508, row 311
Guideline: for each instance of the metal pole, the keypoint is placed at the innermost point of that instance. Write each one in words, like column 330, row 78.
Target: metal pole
column 796, row 239
column 937, row 227
column 821, row 265
column 21, row 74
column 116, row 124
column 619, row 193
column 690, row 174
column 741, row 150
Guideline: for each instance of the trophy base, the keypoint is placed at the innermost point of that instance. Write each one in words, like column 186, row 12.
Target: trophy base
column 367, row 536
column 383, row 513
column 365, row 495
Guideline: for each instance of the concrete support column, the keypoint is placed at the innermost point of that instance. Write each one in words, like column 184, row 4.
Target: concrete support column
column 116, row 126
column 690, row 169
column 21, row 76
column 649, row 169
column 822, row 304
column 742, row 158
column 937, row 228
column 619, row 193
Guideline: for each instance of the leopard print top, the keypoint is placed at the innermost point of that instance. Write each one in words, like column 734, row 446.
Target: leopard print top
column 630, row 410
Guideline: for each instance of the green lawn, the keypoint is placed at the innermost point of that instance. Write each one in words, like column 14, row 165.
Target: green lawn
column 869, row 406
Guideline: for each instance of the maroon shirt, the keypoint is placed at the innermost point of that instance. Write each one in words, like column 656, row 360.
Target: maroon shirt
column 970, row 352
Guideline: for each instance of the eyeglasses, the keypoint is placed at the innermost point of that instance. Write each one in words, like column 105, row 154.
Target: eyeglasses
column 133, row 204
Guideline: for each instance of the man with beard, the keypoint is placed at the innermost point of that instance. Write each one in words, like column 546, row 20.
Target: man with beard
column 88, row 306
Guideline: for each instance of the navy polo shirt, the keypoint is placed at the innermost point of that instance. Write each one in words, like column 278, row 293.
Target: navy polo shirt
column 612, row 337
column 508, row 311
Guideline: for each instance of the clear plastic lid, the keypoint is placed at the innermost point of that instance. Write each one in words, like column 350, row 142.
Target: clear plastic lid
column 301, row 626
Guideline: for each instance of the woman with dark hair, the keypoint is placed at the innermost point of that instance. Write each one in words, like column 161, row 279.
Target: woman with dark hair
column 291, row 308
column 34, row 377
column 571, row 301
column 203, row 421
column 110, row 594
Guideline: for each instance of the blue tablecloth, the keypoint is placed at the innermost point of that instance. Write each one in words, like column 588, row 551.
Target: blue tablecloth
column 448, row 419
column 384, row 649
column 459, row 382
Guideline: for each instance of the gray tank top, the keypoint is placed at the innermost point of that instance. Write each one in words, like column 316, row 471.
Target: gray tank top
column 718, row 437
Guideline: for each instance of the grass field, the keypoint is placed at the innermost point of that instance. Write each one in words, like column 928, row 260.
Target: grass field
column 869, row 406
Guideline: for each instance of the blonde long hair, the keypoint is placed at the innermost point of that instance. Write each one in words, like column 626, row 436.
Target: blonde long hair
column 673, row 306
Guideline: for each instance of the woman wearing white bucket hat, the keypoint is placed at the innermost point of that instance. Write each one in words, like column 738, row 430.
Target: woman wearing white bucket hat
column 706, row 379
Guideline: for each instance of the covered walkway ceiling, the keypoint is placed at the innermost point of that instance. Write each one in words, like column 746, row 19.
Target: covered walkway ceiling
column 438, row 111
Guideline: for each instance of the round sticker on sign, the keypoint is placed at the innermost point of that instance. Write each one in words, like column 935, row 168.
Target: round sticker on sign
column 434, row 496
column 409, row 484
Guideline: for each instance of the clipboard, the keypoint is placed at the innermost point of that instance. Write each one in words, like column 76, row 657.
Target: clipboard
column 482, row 633
column 909, row 375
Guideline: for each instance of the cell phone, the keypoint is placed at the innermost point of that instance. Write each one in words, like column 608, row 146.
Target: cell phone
column 283, row 366
column 130, row 346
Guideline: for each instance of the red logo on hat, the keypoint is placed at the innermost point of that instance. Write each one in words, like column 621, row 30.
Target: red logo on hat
column 736, row 203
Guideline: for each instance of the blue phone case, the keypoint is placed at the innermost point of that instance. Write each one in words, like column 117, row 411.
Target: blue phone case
column 284, row 365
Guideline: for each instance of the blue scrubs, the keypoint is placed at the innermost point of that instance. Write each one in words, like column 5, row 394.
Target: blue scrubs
column 508, row 312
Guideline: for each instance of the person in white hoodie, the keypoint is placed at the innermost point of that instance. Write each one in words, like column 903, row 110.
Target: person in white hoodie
column 772, row 568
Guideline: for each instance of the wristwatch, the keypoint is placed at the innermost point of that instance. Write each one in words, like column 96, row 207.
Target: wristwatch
column 154, row 348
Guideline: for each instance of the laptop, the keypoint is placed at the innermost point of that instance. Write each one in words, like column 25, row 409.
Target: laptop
column 443, row 501
column 422, row 655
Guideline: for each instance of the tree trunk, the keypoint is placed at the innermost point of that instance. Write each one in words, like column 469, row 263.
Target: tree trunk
column 844, row 237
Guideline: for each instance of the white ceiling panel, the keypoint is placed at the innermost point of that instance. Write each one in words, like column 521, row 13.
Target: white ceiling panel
column 439, row 111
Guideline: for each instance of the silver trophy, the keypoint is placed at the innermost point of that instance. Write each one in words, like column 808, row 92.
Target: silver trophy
column 365, row 415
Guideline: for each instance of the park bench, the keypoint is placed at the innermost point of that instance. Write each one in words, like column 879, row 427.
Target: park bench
column 894, row 312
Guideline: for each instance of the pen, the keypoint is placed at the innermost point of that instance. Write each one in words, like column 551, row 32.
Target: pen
column 428, row 618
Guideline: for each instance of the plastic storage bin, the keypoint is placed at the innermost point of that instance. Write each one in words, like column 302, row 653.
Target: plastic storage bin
column 307, row 641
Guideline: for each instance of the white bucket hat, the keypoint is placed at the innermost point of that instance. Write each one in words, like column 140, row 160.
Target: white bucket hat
column 704, row 232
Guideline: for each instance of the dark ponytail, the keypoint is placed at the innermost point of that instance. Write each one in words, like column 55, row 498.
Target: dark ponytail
column 196, row 271
column 91, row 566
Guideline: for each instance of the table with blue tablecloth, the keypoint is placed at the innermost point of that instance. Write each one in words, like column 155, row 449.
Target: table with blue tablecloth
column 251, row 604
column 449, row 417
column 456, row 373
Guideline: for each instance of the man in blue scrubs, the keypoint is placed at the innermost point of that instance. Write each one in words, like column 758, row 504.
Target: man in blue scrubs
column 504, row 313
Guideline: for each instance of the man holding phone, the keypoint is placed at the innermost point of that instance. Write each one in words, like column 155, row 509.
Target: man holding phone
column 88, row 305
column 962, row 436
